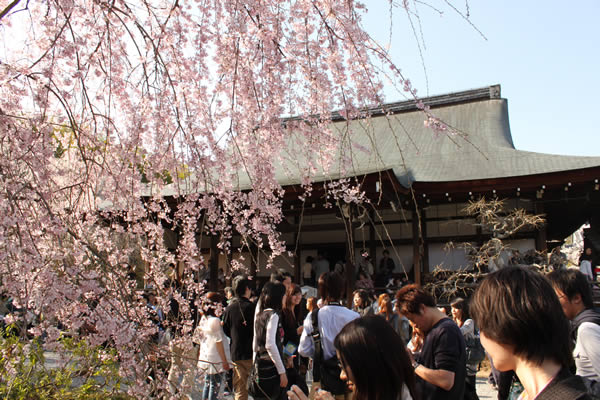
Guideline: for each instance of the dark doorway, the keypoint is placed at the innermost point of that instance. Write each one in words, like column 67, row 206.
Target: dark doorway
column 333, row 254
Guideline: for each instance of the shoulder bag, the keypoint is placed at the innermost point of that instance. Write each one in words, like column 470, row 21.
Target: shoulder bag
column 325, row 371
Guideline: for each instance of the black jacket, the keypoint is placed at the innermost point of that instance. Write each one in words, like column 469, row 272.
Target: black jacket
column 238, row 324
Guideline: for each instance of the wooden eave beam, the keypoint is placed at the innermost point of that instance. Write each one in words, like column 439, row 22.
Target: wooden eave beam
column 582, row 181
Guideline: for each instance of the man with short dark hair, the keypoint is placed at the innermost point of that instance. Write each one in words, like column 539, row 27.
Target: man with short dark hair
column 238, row 324
column 441, row 366
column 575, row 297
column 386, row 265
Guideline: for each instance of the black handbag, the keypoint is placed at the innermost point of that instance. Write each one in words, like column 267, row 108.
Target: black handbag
column 330, row 376
column 326, row 371
column 252, row 384
column 263, row 380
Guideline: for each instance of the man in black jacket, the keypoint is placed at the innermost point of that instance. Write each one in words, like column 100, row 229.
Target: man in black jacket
column 238, row 324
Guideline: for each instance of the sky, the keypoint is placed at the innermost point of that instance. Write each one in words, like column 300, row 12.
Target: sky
column 544, row 54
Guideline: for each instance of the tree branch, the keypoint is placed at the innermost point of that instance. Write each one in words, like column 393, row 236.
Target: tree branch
column 9, row 8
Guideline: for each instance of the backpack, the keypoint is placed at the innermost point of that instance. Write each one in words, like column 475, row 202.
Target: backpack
column 475, row 352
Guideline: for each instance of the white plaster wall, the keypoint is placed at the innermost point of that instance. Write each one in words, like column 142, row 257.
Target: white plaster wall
column 523, row 245
column 453, row 259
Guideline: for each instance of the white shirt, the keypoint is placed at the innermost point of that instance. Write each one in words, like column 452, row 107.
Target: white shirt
column 331, row 321
column 586, row 268
column 270, row 342
column 307, row 270
column 468, row 329
column 208, row 333
column 587, row 351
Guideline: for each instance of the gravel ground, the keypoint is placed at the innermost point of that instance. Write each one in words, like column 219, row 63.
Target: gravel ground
column 484, row 390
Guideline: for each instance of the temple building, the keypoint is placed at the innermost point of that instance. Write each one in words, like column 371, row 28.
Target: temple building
column 419, row 182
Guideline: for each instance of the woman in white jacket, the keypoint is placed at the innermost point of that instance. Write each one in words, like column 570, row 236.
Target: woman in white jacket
column 214, row 358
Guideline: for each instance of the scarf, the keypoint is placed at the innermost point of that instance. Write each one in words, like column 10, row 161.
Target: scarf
column 587, row 315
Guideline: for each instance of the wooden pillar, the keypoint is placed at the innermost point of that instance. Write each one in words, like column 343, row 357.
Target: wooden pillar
column 213, row 282
column 297, row 253
column 416, row 247
column 541, row 236
column 424, row 246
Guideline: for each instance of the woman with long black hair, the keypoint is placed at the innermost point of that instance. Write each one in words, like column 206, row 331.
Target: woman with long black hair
column 374, row 361
column 361, row 303
column 270, row 379
column 292, row 329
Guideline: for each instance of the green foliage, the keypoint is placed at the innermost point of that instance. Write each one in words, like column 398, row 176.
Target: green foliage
column 166, row 176
column 90, row 373
column 64, row 137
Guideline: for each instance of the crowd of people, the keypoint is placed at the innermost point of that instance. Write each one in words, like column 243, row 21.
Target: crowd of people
column 402, row 345
column 539, row 331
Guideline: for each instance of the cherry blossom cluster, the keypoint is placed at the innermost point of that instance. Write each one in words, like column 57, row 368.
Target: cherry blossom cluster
column 133, row 132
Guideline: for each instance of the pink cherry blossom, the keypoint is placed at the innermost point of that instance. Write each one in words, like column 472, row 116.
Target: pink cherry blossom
column 131, row 133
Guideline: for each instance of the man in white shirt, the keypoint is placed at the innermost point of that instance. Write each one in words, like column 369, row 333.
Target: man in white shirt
column 575, row 296
column 332, row 317
column 321, row 265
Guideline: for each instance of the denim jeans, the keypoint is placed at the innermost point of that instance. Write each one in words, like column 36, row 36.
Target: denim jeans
column 212, row 384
